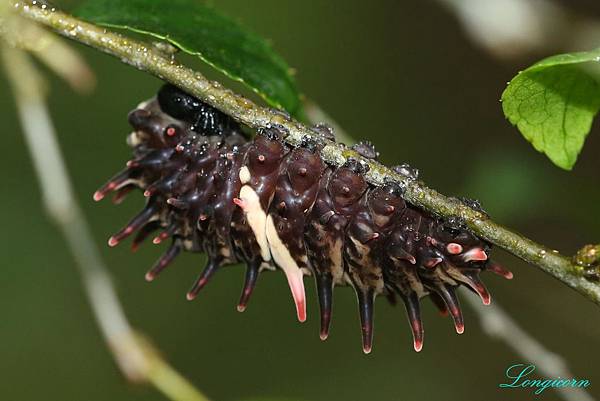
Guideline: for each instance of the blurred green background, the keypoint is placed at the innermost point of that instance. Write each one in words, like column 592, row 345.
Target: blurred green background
column 400, row 73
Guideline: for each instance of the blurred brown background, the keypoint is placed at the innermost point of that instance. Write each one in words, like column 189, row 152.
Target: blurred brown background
column 401, row 73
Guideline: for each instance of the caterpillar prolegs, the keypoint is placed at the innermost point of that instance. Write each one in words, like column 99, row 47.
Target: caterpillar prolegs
column 210, row 188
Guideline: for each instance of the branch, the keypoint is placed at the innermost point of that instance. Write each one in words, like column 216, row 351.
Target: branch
column 143, row 57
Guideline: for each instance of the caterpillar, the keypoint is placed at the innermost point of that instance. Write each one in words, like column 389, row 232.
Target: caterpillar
column 211, row 188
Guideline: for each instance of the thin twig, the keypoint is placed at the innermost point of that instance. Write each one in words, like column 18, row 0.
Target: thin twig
column 136, row 359
column 143, row 57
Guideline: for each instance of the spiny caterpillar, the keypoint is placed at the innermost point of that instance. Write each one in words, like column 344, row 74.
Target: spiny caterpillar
column 209, row 188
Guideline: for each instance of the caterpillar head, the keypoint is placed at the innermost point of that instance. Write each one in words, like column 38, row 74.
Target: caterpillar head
column 154, row 129
column 178, row 104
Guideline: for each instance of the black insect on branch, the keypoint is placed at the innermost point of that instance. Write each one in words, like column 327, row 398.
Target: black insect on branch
column 143, row 57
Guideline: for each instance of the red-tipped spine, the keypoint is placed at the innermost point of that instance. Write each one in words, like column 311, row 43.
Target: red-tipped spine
column 211, row 267
column 324, row 283
column 365, row 307
column 164, row 261
column 252, row 272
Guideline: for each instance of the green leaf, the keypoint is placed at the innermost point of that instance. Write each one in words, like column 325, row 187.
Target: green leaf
column 201, row 31
column 553, row 104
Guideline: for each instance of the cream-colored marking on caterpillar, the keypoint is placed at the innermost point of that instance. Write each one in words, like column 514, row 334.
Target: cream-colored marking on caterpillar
column 133, row 139
column 256, row 219
column 381, row 220
column 337, row 262
column 267, row 266
column 416, row 285
column 337, row 268
column 244, row 175
column 225, row 252
column 145, row 103
column 294, row 274
column 366, row 261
